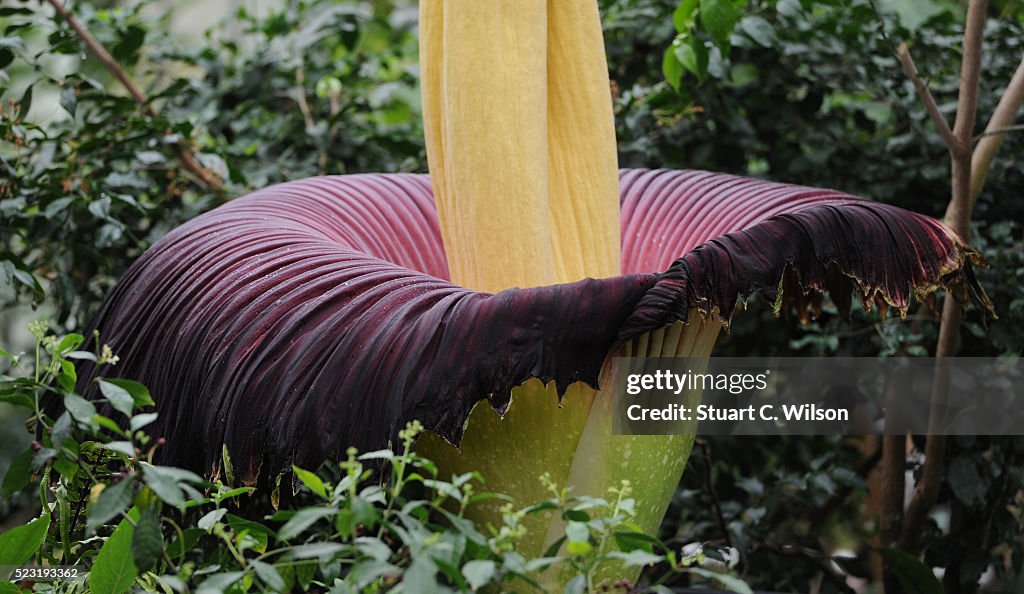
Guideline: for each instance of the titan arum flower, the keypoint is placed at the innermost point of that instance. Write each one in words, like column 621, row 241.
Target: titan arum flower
column 488, row 299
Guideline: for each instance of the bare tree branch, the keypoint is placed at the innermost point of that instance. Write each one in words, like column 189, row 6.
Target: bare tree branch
column 186, row 157
column 995, row 131
column 903, row 55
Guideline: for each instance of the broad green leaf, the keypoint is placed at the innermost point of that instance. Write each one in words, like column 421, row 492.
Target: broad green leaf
column 311, row 480
column 26, row 103
column 80, row 408
column 147, row 542
column 671, row 68
column 682, row 18
column 69, row 99
column 254, row 530
column 141, row 420
column 69, row 343
column 119, row 398
column 965, row 481
column 760, row 30
column 303, row 519
column 140, row 394
column 19, row 544
column 478, row 572
column 317, row 549
column 219, row 582
column 181, row 545
column 18, row 473
column 719, row 19
column 632, row 541
column 269, row 575
column 914, row 576
column 637, row 557
column 576, row 585
column 208, row 521
column 114, row 570
column 113, row 500
column 121, row 447
column 164, row 485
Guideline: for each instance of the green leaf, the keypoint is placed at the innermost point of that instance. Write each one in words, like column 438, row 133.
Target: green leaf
column 268, row 574
column 181, row 545
column 259, row 533
column 317, row 549
column 121, row 447
column 80, row 408
column 219, row 582
column 141, row 420
column 693, row 56
column 743, row 74
column 311, row 480
column 18, row 473
column 119, row 398
column 682, row 18
column 19, row 544
column 140, row 394
column 164, row 484
column 114, row 570
column 632, row 541
column 208, row 521
column 147, row 542
column 69, row 99
column 26, row 101
column 131, row 40
column 914, row 576
column 671, row 68
column 637, row 557
column 478, row 572
column 6, row 57
column 113, row 500
column 576, row 585
column 719, row 19
column 966, row 482
column 577, row 532
column 303, row 519
column 4, row 354
column 760, row 30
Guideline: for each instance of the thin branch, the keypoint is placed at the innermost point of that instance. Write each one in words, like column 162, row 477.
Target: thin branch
column 96, row 48
column 958, row 216
column 995, row 131
column 822, row 561
column 903, row 55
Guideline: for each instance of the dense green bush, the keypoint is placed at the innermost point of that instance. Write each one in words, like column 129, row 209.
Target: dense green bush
column 90, row 183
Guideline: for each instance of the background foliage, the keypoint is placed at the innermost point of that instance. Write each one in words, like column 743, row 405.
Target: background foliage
column 794, row 90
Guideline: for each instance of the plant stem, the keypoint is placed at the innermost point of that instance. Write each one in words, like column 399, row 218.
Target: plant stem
column 205, row 176
column 958, row 215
